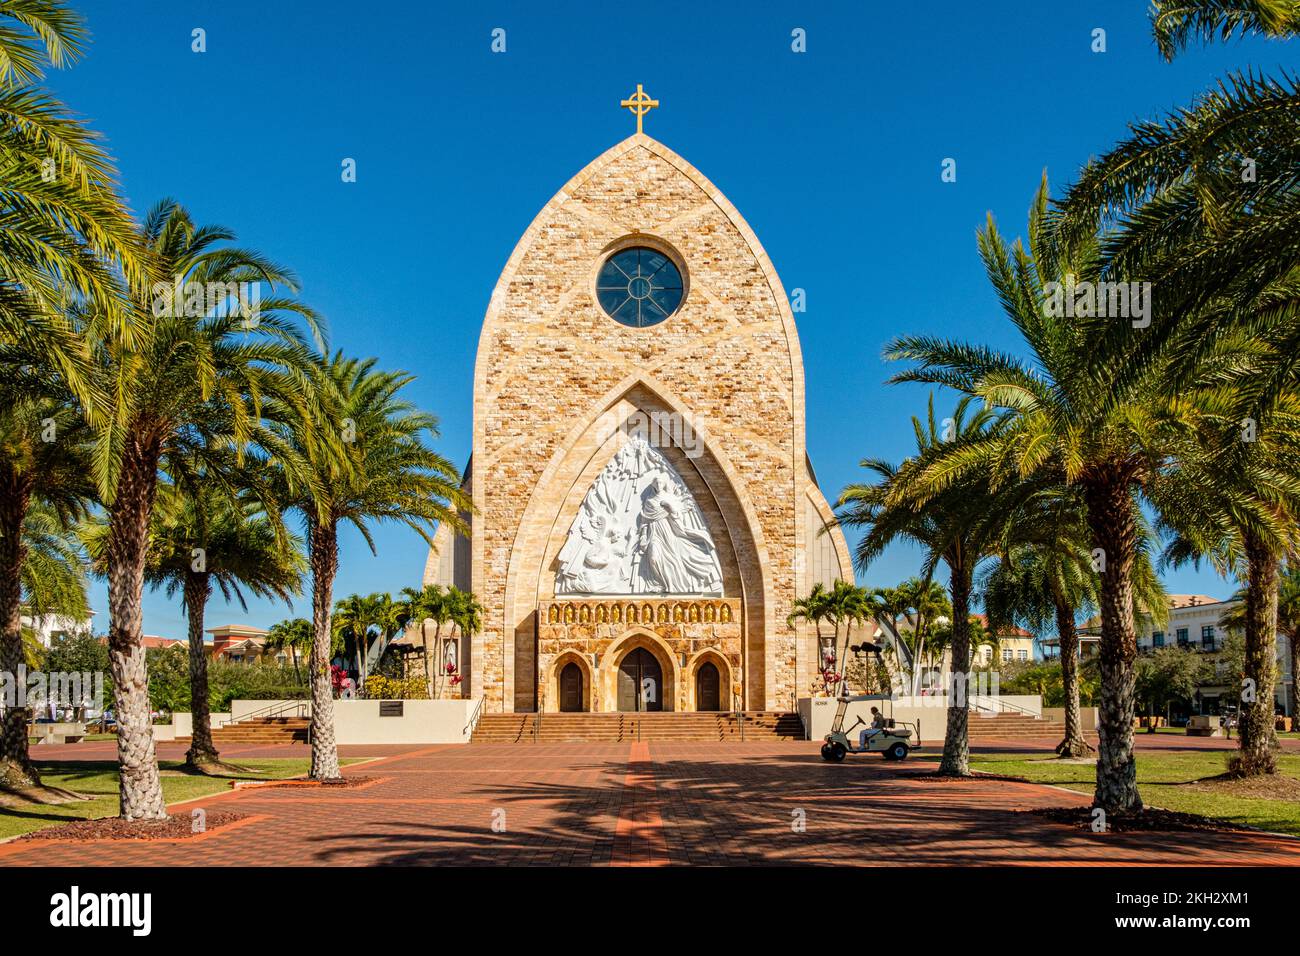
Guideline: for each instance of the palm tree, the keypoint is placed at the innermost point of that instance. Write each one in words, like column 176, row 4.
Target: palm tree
column 354, row 617
column 52, row 581
column 813, row 608
column 355, row 453
column 1072, row 421
column 847, row 605
column 189, row 384
column 1048, row 579
column 920, row 603
column 65, row 232
column 958, row 526
column 926, row 604
column 1238, row 506
column 1176, row 22
column 38, row 32
column 1203, row 204
column 466, row 613
column 43, row 485
column 201, row 539
column 391, row 618
column 425, row 604
column 291, row 635
column 1288, row 625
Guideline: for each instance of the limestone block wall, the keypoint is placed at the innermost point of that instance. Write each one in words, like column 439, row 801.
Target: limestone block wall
column 682, row 634
column 552, row 366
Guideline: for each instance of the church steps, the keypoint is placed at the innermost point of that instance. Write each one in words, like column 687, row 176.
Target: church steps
column 627, row 727
column 264, row 730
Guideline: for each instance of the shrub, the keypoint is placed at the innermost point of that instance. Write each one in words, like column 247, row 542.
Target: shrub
column 379, row 687
column 169, row 681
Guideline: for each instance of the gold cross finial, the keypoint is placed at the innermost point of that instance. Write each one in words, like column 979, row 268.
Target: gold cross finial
column 640, row 104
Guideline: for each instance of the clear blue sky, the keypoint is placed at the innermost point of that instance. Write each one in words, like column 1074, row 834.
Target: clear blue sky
column 833, row 156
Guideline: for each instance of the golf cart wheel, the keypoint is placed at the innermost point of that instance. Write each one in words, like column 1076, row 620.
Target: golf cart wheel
column 826, row 751
column 897, row 752
column 835, row 752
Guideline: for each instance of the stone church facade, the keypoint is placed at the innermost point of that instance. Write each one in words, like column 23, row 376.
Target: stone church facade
column 645, row 511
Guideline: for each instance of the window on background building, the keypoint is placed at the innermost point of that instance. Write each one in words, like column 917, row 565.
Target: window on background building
column 1182, row 636
column 1022, row 655
column 1207, row 635
column 1158, row 639
column 1006, row 654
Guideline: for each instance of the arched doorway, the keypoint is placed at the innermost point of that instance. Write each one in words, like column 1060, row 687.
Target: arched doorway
column 571, row 688
column 708, row 692
column 640, row 682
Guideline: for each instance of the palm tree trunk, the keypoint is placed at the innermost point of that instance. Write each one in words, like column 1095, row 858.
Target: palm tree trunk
column 1295, row 681
column 202, row 750
column 918, row 642
column 323, row 548
column 16, row 768
column 1257, row 733
column 1114, row 532
column 139, row 785
column 1073, row 745
column 956, row 741
column 434, row 674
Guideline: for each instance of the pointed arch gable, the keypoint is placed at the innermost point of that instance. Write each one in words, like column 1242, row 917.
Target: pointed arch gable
column 549, row 362
column 579, row 457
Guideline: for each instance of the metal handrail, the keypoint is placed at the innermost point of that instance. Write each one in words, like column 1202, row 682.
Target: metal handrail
column 472, row 726
column 274, row 710
column 537, row 721
column 1004, row 706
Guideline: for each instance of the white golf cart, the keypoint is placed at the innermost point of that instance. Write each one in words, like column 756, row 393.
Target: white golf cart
column 895, row 740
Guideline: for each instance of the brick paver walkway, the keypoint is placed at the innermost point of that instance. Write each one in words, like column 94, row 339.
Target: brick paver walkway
column 651, row 803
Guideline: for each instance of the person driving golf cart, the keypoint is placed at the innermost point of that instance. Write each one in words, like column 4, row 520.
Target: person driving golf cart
column 877, row 725
column 891, row 738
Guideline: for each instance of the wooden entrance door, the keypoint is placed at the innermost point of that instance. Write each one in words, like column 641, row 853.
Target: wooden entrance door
column 707, row 693
column 640, row 682
column 571, row 688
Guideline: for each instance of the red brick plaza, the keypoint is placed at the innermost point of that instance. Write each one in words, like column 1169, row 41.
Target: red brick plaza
column 645, row 804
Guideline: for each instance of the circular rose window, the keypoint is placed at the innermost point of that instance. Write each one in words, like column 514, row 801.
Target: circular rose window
column 639, row 287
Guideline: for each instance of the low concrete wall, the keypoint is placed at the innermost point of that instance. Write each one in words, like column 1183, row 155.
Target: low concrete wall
column 1087, row 716
column 182, row 726
column 184, row 722
column 358, row 721
column 930, row 712
column 818, row 713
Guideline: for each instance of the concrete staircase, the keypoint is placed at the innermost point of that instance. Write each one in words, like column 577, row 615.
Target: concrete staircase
column 1012, row 725
column 265, row 731
column 759, row 726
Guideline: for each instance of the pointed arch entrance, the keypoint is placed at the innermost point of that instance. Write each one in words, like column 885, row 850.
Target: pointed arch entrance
column 640, row 682
column 572, row 696
column 708, row 687
column 639, row 673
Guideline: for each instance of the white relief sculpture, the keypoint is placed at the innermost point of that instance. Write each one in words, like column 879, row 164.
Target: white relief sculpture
column 639, row 531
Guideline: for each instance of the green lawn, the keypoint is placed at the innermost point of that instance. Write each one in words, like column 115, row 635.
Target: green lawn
column 1163, row 779
column 98, row 779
